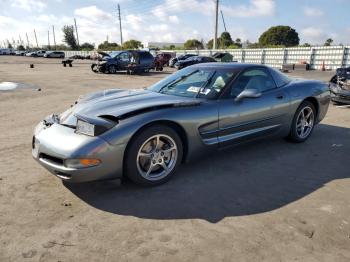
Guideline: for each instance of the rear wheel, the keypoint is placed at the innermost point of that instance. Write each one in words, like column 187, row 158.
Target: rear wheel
column 153, row 155
column 303, row 122
column 112, row 69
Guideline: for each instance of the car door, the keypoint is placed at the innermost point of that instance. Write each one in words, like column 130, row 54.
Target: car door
column 251, row 118
column 123, row 60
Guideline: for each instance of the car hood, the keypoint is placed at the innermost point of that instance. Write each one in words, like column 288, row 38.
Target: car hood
column 103, row 54
column 118, row 104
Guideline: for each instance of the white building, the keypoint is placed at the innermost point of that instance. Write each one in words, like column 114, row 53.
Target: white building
column 160, row 45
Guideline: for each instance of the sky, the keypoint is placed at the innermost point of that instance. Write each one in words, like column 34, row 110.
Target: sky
column 173, row 20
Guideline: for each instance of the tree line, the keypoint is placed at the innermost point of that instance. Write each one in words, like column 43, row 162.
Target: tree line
column 276, row 36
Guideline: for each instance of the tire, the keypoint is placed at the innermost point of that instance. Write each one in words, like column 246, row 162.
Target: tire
column 147, row 164
column 112, row 69
column 302, row 127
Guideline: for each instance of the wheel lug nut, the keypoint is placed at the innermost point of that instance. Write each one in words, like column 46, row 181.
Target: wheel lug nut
column 162, row 153
column 160, row 160
column 154, row 161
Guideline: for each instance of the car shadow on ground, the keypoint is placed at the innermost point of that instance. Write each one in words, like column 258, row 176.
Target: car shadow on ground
column 249, row 179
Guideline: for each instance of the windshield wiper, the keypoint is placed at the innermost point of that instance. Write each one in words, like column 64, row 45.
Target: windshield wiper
column 175, row 81
column 205, row 84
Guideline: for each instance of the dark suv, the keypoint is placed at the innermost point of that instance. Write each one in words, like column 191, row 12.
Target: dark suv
column 179, row 58
column 132, row 61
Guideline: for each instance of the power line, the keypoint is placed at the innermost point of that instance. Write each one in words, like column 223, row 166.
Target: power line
column 27, row 40
column 36, row 39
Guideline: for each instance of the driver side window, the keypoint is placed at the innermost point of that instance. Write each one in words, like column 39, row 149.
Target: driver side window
column 258, row 79
column 124, row 57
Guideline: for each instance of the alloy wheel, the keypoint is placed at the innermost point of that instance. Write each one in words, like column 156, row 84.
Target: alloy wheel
column 305, row 122
column 157, row 157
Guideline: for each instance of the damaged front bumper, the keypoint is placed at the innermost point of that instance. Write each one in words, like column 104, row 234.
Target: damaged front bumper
column 53, row 144
column 98, row 67
column 339, row 95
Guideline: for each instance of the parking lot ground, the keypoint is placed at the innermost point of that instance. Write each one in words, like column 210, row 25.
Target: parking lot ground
column 265, row 201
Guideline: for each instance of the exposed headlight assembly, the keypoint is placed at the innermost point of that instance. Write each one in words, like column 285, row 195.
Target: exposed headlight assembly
column 85, row 128
column 100, row 125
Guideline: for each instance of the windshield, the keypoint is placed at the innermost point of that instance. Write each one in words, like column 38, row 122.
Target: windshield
column 114, row 54
column 194, row 82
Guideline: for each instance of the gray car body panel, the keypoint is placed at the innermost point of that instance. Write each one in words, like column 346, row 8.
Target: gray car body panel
column 204, row 124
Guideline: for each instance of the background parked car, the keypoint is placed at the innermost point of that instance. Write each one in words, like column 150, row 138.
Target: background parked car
column 223, row 57
column 40, row 53
column 54, row 54
column 133, row 61
column 31, row 54
column 163, row 59
column 194, row 60
column 6, row 51
column 340, row 86
column 20, row 53
column 179, row 58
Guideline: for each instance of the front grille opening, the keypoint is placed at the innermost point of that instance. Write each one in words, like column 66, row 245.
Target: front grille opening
column 52, row 159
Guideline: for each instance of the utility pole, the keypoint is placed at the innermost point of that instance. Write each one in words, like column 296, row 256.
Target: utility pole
column 216, row 24
column 54, row 37
column 76, row 30
column 20, row 40
column 223, row 20
column 48, row 39
column 120, row 26
column 27, row 41
column 36, row 39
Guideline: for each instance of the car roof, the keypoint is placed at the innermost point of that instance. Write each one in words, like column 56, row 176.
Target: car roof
column 229, row 65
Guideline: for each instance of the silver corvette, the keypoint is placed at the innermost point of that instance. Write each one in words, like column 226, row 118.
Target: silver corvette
column 146, row 134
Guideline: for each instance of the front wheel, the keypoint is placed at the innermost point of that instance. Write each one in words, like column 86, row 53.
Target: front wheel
column 153, row 155
column 303, row 122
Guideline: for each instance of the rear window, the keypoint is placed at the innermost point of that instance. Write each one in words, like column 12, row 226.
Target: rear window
column 280, row 78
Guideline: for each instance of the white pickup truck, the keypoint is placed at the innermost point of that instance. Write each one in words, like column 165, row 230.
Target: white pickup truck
column 6, row 51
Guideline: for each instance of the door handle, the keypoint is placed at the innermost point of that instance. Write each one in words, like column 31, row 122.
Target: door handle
column 279, row 96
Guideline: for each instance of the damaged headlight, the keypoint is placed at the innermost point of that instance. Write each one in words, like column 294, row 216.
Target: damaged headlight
column 99, row 127
column 85, row 128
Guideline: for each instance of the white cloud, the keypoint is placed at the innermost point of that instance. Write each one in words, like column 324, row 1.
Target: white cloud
column 134, row 21
column 174, row 19
column 176, row 6
column 46, row 18
column 313, row 35
column 255, row 8
column 311, row 11
column 6, row 20
column 93, row 13
column 29, row 5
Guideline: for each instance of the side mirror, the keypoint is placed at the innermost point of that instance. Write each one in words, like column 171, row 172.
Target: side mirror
column 248, row 93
